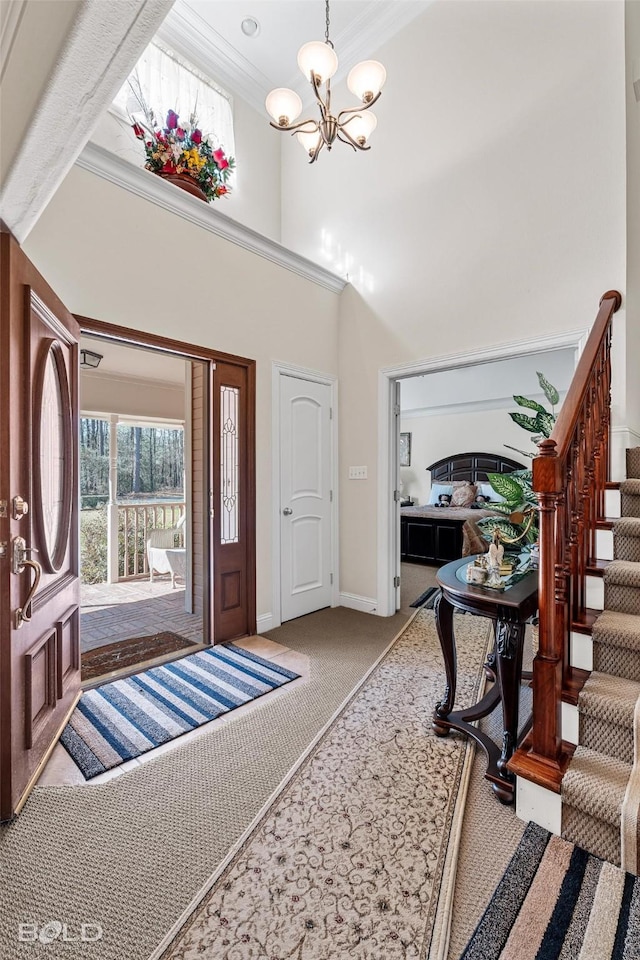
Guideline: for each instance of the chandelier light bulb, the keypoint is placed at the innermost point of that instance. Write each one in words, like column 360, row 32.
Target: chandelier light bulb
column 366, row 79
column 361, row 126
column 309, row 141
column 317, row 57
column 284, row 106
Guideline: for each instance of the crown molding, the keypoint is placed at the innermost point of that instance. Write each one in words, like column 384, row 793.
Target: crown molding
column 132, row 380
column 147, row 185
column 469, row 406
column 190, row 35
column 186, row 32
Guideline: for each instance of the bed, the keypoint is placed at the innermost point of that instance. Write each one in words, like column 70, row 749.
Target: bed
column 436, row 535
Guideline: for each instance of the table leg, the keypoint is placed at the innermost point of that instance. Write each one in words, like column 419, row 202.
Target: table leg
column 509, row 642
column 444, row 624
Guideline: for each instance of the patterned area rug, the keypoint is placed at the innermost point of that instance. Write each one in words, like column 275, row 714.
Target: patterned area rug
column 355, row 854
column 557, row 902
column 124, row 719
column 128, row 653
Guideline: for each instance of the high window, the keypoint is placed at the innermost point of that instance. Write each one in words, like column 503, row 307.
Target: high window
column 168, row 82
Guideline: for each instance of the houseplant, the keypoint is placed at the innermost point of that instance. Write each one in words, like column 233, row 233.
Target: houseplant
column 519, row 503
column 181, row 153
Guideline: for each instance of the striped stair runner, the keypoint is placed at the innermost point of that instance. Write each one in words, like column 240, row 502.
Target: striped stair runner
column 126, row 718
column 601, row 789
column 558, row 902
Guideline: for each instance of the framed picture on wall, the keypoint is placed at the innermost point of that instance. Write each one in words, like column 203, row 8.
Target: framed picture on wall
column 405, row 449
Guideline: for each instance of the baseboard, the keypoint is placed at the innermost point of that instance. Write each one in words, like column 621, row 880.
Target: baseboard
column 536, row 803
column 264, row 623
column 354, row 602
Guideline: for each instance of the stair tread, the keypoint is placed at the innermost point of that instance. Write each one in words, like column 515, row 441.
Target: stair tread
column 617, row 629
column 627, row 527
column 625, row 573
column 609, row 698
column 631, row 487
column 595, row 784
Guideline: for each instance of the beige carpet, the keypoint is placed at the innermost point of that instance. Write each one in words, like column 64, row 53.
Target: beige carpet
column 355, row 855
column 131, row 854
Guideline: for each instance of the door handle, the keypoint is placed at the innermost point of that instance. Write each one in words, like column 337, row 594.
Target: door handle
column 24, row 614
column 20, row 563
column 287, row 511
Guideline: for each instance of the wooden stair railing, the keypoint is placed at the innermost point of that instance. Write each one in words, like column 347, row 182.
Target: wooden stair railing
column 569, row 477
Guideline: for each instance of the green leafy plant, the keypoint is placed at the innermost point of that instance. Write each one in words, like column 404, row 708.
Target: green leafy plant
column 519, row 502
column 542, row 423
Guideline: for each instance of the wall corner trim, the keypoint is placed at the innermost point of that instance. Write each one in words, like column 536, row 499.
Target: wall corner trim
column 103, row 163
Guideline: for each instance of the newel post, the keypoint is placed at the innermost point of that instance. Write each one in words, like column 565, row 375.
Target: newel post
column 552, row 602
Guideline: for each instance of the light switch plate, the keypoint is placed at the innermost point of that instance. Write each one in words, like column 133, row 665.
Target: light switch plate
column 357, row 473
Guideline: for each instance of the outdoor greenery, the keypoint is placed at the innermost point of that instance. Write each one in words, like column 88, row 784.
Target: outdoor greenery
column 150, row 461
column 150, row 467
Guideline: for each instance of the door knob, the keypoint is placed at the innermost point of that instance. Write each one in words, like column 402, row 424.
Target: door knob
column 287, row 511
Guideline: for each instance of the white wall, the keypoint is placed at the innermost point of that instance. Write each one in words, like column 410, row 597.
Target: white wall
column 433, row 438
column 490, row 208
column 118, row 258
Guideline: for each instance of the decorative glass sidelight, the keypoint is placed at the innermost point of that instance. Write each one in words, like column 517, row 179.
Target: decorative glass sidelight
column 229, row 463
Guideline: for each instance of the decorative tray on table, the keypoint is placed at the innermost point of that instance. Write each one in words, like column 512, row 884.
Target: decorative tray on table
column 512, row 569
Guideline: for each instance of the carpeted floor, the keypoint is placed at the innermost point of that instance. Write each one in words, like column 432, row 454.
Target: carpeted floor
column 130, row 854
column 557, row 901
column 355, row 856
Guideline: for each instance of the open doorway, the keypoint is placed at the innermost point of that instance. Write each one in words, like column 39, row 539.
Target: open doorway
column 452, row 415
column 141, row 567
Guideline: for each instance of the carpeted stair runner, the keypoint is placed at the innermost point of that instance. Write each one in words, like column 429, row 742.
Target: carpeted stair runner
column 600, row 789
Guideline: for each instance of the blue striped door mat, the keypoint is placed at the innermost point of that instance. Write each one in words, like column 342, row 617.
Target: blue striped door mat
column 126, row 718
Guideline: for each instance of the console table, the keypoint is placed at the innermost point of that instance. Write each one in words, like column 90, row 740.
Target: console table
column 509, row 609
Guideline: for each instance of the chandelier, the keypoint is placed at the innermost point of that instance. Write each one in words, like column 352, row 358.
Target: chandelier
column 318, row 62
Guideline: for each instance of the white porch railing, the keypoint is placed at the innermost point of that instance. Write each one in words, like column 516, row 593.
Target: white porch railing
column 132, row 525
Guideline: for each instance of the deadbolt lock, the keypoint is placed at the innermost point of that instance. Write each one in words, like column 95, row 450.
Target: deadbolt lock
column 20, row 508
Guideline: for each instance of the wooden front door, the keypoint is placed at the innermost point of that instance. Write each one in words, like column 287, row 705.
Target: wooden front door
column 39, row 583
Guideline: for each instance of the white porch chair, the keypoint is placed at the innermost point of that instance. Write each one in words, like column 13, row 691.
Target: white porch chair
column 162, row 554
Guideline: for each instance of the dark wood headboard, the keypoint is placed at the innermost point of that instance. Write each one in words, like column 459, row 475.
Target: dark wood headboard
column 471, row 466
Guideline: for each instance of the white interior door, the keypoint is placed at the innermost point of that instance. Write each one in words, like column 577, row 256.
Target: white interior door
column 305, row 496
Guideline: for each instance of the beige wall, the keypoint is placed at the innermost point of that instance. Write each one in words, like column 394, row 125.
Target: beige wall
column 633, row 219
column 118, row 258
column 38, row 41
column 101, row 393
column 490, row 208
column 433, row 438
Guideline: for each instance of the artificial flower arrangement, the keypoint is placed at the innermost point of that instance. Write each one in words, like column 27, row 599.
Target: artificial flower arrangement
column 181, row 148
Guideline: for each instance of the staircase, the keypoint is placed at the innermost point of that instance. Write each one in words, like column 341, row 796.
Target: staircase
column 596, row 783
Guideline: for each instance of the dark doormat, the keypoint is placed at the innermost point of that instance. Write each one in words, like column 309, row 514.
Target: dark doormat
column 128, row 653
column 426, row 599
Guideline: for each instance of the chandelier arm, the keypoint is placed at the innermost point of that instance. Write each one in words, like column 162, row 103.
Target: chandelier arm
column 346, row 137
column 293, row 127
column 359, row 108
column 315, row 83
column 316, row 152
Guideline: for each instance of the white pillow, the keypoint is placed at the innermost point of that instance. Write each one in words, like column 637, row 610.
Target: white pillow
column 487, row 491
column 436, row 490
